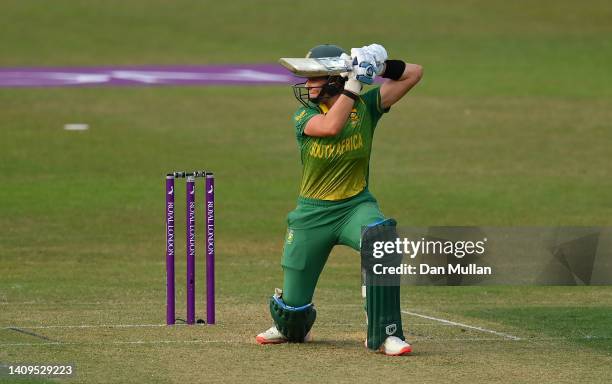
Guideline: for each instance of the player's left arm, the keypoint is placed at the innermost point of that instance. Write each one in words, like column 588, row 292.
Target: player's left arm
column 399, row 82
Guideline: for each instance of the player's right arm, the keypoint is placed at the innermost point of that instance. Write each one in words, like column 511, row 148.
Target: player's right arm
column 331, row 123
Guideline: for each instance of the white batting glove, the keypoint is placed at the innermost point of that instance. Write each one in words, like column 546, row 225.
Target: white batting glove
column 352, row 84
column 364, row 65
column 380, row 56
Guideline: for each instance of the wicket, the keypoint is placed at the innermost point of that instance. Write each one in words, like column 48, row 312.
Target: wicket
column 209, row 216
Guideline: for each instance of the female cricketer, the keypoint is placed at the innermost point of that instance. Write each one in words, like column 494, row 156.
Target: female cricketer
column 334, row 130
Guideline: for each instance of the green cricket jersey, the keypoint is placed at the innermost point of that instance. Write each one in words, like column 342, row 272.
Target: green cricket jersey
column 336, row 168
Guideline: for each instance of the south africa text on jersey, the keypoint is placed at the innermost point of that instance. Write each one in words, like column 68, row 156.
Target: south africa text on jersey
column 326, row 151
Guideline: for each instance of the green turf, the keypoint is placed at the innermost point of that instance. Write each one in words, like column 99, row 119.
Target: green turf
column 510, row 126
column 586, row 325
column 543, row 48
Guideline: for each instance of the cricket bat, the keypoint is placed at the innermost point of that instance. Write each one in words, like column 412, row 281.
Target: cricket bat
column 311, row 67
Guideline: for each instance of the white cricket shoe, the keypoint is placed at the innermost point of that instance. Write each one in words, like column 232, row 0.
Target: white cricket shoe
column 394, row 346
column 273, row 336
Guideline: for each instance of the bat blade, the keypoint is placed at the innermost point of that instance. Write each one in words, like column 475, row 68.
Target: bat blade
column 311, row 67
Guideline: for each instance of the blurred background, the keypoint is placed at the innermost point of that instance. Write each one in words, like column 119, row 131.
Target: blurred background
column 509, row 126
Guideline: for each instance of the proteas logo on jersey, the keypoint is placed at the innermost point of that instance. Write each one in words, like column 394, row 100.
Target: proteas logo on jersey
column 299, row 117
column 354, row 117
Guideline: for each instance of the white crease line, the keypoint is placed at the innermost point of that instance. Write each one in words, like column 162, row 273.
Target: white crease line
column 85, row 326
column 123, row 343
column 363, row 324
column 53, row 303
column 90, row 326
column 126, row 303
column 502, row 334
column 523, row 339
column 112, row 303
column 423, row 339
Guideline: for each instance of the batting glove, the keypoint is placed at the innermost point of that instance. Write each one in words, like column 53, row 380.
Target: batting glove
column 380, row 56
column 352, row 84
column 363, row 65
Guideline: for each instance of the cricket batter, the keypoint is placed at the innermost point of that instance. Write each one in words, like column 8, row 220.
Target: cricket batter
column 334, row 130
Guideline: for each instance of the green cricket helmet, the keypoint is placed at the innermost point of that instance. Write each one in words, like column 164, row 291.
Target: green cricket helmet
column 325, row 50
column 334, row 84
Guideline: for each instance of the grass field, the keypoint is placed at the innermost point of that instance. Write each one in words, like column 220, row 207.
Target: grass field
column 510, row 126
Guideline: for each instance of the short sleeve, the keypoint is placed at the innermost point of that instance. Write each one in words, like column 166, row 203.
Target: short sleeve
column 373, row 101
column 301, row 117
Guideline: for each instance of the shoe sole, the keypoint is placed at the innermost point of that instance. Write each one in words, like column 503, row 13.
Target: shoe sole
column 264, row 341
column 402, row 352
